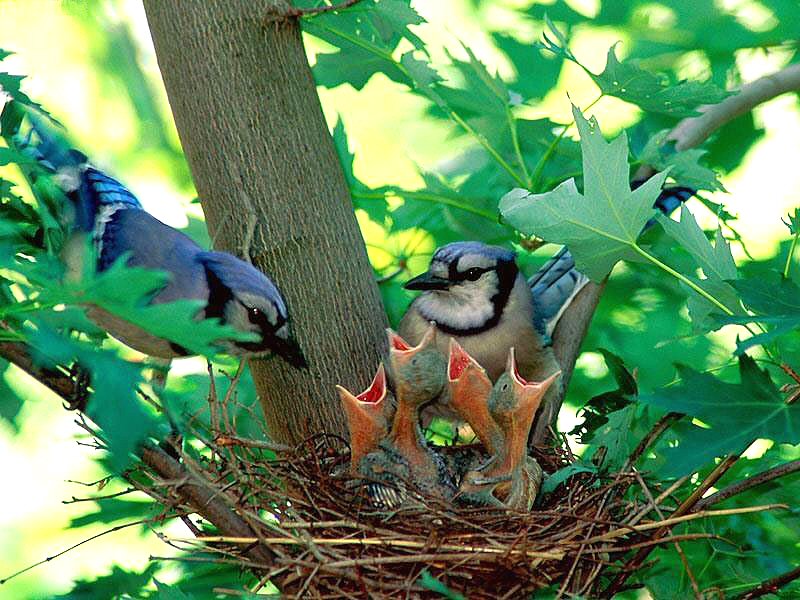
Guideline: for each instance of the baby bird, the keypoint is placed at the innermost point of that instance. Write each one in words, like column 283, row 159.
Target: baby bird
column 512, row 405
column 368, row 415
column 477, row 295
column 469, row 388
column 419, row 374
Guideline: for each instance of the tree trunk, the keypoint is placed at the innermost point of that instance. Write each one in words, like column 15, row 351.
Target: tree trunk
column 271, row 186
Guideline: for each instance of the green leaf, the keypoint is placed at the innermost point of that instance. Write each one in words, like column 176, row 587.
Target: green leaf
column 124, row 291
column 716, row 261
column 735, row 413
column 776, row 302
column 429, row 582
column 114, row 404
column 600, row 225
column 611, row 443
column 10, row 402
column 629, row 82
column 562, row 475
column 171, row 592
column 11, row 156
column 684, row 166
column 117, row 584
column 794, row 222
column 113, row 510
column 366, row 37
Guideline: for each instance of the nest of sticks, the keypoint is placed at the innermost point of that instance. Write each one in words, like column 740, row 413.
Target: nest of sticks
column 315, row 534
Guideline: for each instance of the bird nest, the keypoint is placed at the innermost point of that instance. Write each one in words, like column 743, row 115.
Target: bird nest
column 314, row 533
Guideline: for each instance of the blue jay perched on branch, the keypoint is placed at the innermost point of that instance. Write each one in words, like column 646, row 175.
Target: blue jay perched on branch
column 476, row 294
column 107, row 213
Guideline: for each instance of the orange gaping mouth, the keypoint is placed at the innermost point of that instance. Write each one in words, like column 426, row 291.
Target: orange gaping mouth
column 376, row 390
column 459, row 359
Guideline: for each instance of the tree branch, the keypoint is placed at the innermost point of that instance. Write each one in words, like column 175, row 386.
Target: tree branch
column 204, row 500
column 693, row 131
column 751, row 482
column 771, row 585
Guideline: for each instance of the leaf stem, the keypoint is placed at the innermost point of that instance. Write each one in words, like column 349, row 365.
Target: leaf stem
column 512, row 125
column 487, row 146
column 427, row 197
column 792, row 246
column 681, row 277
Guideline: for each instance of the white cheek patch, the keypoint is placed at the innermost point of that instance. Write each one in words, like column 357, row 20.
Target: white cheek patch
column 262, row 304
column 463, row 306
column 236, row 317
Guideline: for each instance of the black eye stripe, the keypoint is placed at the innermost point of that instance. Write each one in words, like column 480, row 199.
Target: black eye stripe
column 470, row 274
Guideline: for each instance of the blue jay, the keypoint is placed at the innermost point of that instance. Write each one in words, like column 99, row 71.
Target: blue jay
column 108, row 214
column 476, row 294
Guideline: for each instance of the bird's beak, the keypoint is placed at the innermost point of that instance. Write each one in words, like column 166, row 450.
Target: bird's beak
column 366, row 419
column 401, row 352
column 427, row 281
column 290, row 351
column 459, row 361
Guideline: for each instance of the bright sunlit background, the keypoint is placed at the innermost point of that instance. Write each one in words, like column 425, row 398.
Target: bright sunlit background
column 107, row 91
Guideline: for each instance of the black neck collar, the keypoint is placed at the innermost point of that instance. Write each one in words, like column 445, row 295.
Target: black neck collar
column 506, row 277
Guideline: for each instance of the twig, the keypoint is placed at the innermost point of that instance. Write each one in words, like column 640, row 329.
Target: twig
column 95, row 498
column 396, row 543
column 687, row 505
column 660, row 427
column 750, row 482
column 666, row 523
column 81, row 543
column 678, row 549
column 232, row 440
column 770, row 586
column 659, row 499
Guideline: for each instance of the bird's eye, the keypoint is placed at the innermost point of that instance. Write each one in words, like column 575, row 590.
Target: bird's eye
column 473, row 274
column 254, row 314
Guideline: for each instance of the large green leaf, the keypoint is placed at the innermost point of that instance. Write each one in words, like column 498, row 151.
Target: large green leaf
column 114, row 404
column 734, row 414
column 776, row 304
column 629, row 82
column 366, row 37
column 600, row 225
column 716, row 261
column 124, row 291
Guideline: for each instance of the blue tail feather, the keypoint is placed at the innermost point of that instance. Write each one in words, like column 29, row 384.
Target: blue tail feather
column 93, row 189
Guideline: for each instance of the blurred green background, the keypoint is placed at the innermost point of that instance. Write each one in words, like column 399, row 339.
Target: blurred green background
column 92, row 65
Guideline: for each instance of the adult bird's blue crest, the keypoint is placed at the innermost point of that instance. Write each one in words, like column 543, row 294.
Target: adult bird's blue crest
column 113, row 220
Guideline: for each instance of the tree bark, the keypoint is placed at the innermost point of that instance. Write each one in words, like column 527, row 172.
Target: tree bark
column 272, row 187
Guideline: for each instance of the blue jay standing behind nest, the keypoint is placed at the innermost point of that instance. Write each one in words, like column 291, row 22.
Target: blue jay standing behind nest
column 109, row 216
column 476, row 294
